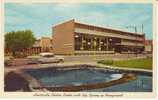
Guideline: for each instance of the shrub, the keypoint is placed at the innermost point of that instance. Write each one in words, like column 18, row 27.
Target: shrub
column 106, row 62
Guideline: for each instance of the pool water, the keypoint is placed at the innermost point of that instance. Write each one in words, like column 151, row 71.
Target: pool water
column 55, row 78
column 143, row 83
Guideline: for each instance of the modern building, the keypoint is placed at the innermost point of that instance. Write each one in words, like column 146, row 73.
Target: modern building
column 148, row 46
column 71, row 38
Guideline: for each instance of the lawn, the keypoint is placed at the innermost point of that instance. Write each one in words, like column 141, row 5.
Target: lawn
column 144, row 63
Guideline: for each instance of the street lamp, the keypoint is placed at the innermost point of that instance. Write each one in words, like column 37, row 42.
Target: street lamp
column 76, row 36
column 89, row 43
column 101, row 42
column 110, row 39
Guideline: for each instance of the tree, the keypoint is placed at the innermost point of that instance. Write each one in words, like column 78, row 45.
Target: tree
column 17, row 40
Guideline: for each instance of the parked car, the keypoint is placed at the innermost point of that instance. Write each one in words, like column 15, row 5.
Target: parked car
column 46, row 58
column 33, row 59
column 8, row 60
column 49, row 57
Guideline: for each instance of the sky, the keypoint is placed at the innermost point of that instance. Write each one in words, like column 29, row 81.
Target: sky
column 41, row 17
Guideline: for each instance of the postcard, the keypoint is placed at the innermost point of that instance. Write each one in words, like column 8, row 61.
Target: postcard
column 79, row 49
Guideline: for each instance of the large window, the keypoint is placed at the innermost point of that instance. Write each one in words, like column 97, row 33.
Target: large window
column 78, row 41
column 87, row 43
column 83, row 42
column 95, row 43
column 103, row 44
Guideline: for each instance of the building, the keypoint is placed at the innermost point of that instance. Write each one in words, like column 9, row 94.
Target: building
column 46, row 44
column 71, row 38
column 41, row 45
column 148, row 46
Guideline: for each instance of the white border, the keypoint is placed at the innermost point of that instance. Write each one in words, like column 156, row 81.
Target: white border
column 126, row 94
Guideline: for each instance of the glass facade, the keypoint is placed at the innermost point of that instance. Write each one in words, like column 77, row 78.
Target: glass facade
column 87, row 42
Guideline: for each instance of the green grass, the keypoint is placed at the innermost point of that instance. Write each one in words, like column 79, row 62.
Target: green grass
column 144, row 63
column 106, row 62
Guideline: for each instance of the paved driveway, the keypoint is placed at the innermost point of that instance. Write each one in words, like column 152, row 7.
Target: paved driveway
column 85, row 58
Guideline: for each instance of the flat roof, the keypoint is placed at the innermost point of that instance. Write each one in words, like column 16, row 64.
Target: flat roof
column 99, row 27
column 110, row 29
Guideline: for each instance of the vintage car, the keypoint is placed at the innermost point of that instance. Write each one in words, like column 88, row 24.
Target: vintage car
column 45, row 58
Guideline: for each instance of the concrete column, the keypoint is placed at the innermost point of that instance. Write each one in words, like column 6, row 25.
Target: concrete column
column 92, row 44
column 82, row 43
column 95, row 43
column 107, row 44
column 99, row 44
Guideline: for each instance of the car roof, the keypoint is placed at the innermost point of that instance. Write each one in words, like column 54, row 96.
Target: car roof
column 46, row 53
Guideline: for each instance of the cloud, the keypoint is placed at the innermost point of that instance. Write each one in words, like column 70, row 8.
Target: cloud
column 41, row 17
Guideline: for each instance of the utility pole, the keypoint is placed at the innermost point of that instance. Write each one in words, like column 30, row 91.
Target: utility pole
column 142, row 28
column 134, row 27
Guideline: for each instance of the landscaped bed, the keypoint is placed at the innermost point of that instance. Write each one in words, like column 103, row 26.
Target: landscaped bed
column 143, row 63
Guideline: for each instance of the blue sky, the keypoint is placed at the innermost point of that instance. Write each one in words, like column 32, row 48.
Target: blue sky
column 41, row 17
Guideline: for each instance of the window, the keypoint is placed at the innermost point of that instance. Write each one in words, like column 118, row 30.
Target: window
column 78, row 41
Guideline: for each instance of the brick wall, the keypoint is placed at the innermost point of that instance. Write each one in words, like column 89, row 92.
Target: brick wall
column 63, row 38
